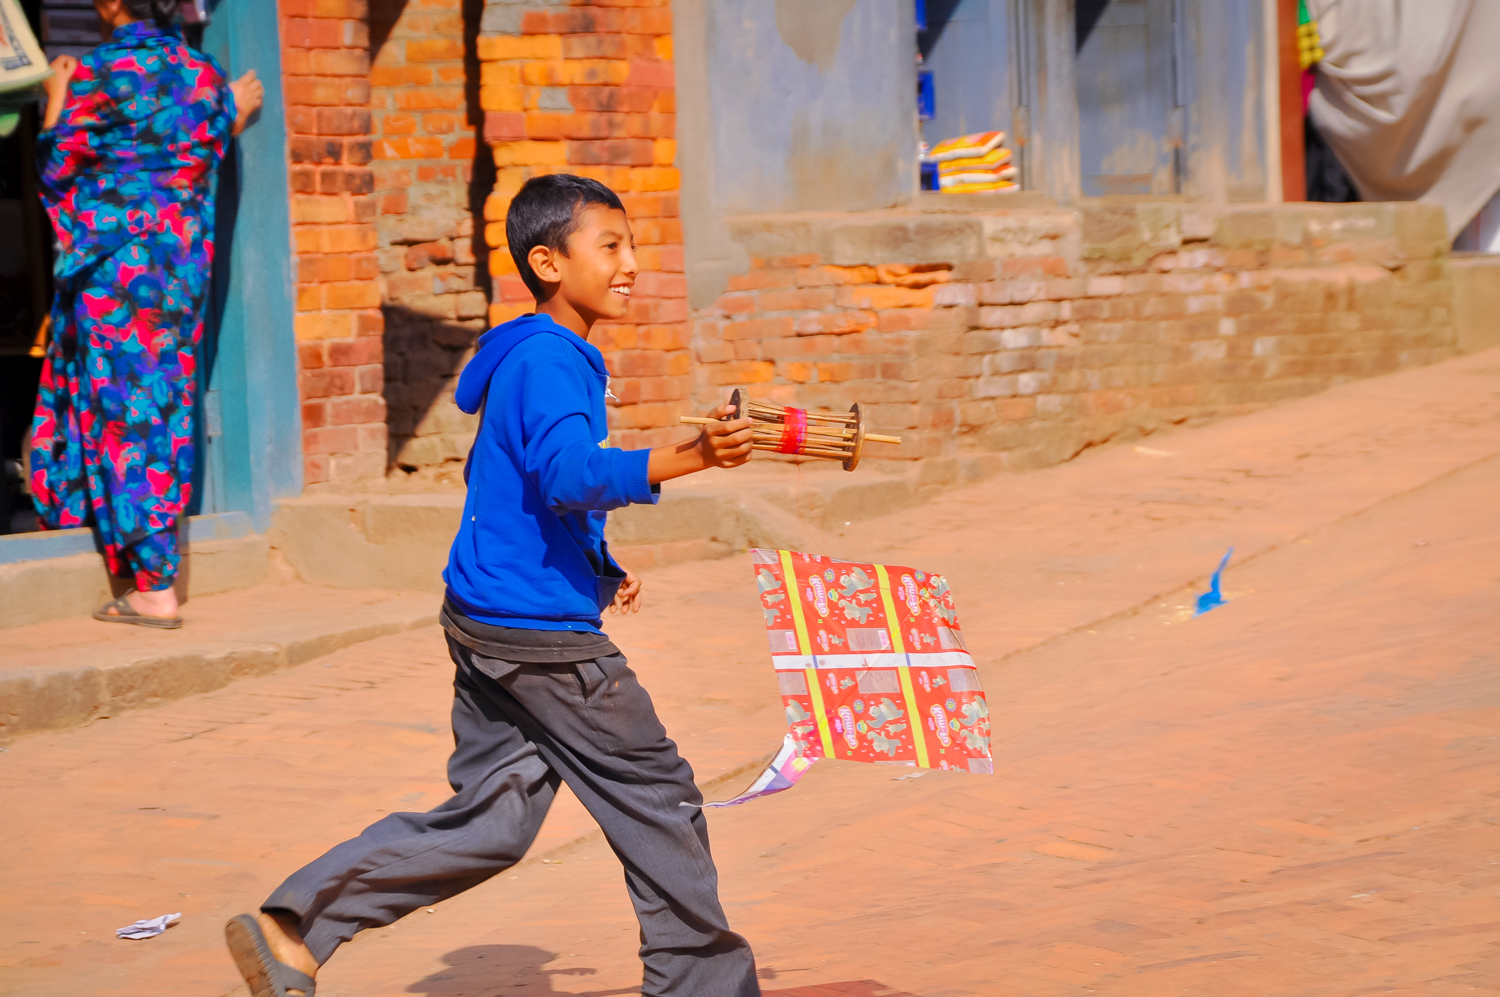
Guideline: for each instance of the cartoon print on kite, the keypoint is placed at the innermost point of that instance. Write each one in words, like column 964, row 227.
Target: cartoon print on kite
column 772, row 591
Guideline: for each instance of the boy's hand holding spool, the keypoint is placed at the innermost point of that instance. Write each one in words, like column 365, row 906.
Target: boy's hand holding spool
column 725, row 442
column 721, row 443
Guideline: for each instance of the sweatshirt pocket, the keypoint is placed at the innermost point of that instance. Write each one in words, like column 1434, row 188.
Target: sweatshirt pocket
column 609, row 580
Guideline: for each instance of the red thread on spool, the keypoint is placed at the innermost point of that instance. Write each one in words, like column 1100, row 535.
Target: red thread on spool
column 793, row 431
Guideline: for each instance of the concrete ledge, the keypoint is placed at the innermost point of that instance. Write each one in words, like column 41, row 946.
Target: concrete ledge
column 402, row 541
column 1476, row 301
column 55, row 588
column 68, row 672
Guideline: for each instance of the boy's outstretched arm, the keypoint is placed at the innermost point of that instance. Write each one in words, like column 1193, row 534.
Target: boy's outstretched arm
column 722, row 444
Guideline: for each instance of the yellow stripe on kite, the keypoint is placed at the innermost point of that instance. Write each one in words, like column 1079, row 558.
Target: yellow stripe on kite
column 889, row 604
column 903, row 671
column 804, row 647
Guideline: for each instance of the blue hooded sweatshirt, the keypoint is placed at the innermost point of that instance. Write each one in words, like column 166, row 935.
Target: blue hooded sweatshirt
column 530, row 552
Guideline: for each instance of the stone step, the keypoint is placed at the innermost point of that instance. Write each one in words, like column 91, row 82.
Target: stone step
column 62, row 673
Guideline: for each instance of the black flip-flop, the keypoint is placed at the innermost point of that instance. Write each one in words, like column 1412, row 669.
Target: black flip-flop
column 264, row 975
column 125, row 613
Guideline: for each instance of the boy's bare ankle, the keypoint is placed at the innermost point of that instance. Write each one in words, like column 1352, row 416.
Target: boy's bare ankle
column 286, row 942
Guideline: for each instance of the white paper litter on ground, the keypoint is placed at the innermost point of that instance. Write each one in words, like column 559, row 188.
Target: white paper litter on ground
column 148, row 927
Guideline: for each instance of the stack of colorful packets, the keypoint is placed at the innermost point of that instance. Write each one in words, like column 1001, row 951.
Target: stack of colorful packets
column 971, row 164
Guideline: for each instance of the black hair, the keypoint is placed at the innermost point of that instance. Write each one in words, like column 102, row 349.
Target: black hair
column 160, row 11
column 545, row 212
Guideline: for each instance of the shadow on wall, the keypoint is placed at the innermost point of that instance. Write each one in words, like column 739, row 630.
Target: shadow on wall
column 424, row 352
column 423, row 355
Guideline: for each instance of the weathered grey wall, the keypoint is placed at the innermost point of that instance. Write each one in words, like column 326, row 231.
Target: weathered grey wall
column 789, row 105
column 1222, row 59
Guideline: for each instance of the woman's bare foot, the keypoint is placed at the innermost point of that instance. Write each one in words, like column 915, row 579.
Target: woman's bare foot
column 286, row 943
column 163, row 603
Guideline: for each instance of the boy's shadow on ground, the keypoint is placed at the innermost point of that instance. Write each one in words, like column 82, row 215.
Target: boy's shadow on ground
column 512, row 970
column 520, row 971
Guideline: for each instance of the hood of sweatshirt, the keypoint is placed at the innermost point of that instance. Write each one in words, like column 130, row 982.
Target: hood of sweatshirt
column 495, row 346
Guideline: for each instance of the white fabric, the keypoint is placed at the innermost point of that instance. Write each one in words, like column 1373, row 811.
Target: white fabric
column 1409, row 97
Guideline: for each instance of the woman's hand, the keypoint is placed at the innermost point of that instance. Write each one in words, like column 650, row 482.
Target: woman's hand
column 56, row 85
column 249, row 94
column 628, row 595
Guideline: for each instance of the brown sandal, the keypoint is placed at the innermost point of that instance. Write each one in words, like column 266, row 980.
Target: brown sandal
column 125, row 613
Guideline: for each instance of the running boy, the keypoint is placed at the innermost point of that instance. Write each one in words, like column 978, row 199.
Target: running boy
column 541, row 696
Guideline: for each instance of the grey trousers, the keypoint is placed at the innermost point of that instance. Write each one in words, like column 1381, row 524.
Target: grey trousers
column 518, row 730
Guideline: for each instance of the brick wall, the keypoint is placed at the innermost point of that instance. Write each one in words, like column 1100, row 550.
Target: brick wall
column 431, row 178
column 1012, row 339
column 325, row 62
column 587, row 88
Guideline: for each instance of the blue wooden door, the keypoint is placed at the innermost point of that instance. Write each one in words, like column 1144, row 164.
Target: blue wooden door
column 1127, row 100
column 249, row 425
column 966, row 47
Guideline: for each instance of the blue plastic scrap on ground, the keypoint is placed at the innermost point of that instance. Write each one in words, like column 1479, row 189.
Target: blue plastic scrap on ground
column 1214, row 597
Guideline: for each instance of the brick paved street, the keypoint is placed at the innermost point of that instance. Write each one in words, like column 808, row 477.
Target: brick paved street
column 1294, row 794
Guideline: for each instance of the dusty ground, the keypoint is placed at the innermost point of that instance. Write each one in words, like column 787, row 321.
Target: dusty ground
column 1294, row 794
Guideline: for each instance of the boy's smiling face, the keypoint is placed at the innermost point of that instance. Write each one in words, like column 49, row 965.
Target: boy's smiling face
column 593, row 280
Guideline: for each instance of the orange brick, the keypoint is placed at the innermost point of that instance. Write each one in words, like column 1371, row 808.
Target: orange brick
column 400, row 76
column 398, row 123
column 884, row 296
column 494, row 235
column 431, row 99
column 325, row 210
column 823, row 276
column 618, row 99
column 437, row 49
column 795, row 299
column 317, row 268
column 547, row 125
column 844, row 370
column 655, row 178
column 649, row 21
column 349, row 238
column 355, row 294
column 502, row 98
column 494, row 48
column 531, row 154
column 413, row 147
column 575, row 72
column 505, row 312
column 439, row 124
column 338, row 62
column 666, row 152
column 499, row 74
column 323, row 325
column 835, row 323
column 758, row 328
column 595, row 47
column 654, row 231
column 742, row 372
column 309, row 297
column 307, row 238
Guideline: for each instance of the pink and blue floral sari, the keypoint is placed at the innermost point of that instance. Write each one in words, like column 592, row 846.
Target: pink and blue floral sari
column 127, row 179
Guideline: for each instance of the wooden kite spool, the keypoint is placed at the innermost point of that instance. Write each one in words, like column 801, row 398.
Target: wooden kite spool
column 825, row 435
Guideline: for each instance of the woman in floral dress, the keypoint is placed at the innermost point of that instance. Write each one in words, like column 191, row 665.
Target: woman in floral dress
column 132, row 136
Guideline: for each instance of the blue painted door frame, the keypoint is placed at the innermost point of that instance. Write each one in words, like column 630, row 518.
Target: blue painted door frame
column 250, row 428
